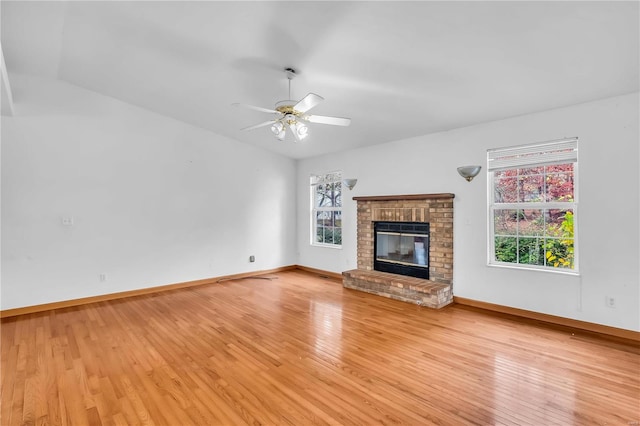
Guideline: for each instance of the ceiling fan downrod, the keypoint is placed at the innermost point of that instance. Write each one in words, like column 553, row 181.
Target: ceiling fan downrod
column 291, row 73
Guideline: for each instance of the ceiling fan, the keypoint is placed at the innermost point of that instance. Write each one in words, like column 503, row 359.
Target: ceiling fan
column 292, row 114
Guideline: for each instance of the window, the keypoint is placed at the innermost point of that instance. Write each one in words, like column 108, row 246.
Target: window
column 533, row 207
column 326, row 209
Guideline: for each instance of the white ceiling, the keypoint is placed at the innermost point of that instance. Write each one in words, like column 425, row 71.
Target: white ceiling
column 398, row 69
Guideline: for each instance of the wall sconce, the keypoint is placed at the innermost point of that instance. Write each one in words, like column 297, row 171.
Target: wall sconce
column 469, row 172
column 350, row 183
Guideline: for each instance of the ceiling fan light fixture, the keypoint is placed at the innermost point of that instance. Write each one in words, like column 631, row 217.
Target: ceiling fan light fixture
column 277, row 128
column 291, row 114
column 302, row 130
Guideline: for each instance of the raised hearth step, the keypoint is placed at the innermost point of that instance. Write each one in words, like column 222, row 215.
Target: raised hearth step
column 406, row 289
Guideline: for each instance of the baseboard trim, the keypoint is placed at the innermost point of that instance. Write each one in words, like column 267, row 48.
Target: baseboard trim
column 121, row 295
column 552, row 319
column 561, row 321
column 322, row 273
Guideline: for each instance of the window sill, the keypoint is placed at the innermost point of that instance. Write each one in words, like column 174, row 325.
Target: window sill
column 573, row 272
column 331, row 246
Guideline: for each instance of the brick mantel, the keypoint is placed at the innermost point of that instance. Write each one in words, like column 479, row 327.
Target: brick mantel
column 405, row 197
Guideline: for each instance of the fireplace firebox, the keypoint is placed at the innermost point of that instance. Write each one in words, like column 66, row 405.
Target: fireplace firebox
column 402, row 248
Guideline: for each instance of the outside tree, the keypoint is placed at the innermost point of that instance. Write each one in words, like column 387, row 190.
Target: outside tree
column 531, row 233
column 327, row 198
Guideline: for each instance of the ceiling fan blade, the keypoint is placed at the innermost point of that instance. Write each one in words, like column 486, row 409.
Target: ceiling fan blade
column 308, row 102
column 257, row 108
column 321, row 119
column 266, row 123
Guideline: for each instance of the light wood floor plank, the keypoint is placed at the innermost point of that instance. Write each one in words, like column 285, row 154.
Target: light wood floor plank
column 297, row 349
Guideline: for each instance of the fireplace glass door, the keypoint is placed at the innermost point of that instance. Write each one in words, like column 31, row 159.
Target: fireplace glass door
column 402, row 248
column 406, row 249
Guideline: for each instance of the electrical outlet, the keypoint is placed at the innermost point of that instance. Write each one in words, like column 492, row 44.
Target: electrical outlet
column 252, row 258
column 102, row 277
column 611, row 301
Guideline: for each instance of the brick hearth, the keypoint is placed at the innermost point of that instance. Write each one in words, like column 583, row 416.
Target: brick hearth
column 407, row 289
column 436, row 209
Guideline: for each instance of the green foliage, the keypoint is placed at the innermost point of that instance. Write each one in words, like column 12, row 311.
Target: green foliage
column 507, row 249
column 556, row 250
column 329, row 235
column 528, row 251
column 560, row 249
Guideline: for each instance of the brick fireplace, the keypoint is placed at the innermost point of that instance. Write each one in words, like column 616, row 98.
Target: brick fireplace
column 435, row 209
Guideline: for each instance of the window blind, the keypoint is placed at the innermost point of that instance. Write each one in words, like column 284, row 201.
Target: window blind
column 552, row 152
column 326, row 178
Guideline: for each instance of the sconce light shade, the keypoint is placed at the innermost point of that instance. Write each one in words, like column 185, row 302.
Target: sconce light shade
column 350, row 183
column 469, row 172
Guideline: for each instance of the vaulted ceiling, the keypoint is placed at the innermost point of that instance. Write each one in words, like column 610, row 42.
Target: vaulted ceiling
column 397, row 69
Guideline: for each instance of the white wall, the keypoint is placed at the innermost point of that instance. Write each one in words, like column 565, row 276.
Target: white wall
column 609, row 196
column 154, row 201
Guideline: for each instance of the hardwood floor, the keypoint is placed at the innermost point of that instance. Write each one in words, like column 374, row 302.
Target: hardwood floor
column 299, row 349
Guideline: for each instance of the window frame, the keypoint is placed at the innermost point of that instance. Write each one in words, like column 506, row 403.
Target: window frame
column 513, row 164
column 315, row 179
